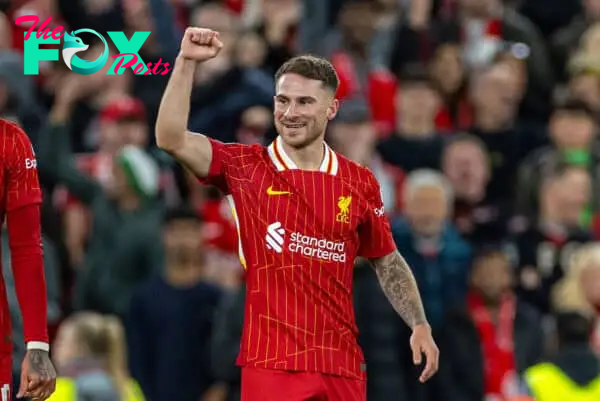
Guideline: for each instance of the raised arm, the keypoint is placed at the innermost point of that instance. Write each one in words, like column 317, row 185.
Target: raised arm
column 400, row 287
column 190, row 149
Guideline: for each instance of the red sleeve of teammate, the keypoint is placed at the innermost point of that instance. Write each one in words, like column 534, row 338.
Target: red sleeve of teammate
column 223, row 155
column 23, row 199
column 375, row 234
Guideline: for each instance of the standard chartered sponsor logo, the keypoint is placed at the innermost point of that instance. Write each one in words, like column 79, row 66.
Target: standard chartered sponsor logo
column 312, row 247
column 318, row 248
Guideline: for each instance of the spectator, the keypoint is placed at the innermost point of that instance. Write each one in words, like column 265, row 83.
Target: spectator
column 580, row 288
column 574, row 370
column 415, row 143
column 89, row 354
column 382, row 339
column 430, row 243
column 478, row 217
column 171, row 317
column 492, row 339
column 545, row 248
column 123, row 251
column 572, row 129
column 566, row 39
column 449, row 75
column 225, row 343
column 224, row 89
column 496, row 95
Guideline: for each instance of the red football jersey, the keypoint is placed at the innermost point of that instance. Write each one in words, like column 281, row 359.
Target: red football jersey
column 20, row 187
column 299, row 233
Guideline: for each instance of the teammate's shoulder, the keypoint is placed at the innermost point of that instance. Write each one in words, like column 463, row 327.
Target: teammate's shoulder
column 8, row 127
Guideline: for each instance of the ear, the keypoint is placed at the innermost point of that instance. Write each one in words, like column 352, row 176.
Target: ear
column 333, row 109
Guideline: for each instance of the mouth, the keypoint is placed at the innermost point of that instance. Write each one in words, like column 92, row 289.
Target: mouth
column 294, row 125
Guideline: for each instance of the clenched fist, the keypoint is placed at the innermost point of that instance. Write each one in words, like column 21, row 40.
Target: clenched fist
column 200, row 44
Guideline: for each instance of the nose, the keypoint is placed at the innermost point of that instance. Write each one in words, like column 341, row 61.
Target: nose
column 290, row 111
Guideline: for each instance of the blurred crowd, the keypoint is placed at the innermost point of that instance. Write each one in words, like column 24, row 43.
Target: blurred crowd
column 478, row 117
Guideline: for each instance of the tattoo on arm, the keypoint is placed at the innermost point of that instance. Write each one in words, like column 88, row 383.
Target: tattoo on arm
column 400, row 287
column 39, row 362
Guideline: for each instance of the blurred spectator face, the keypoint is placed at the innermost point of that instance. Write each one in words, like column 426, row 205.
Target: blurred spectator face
column 591, row 8
column 586, row 87
column 251, row 50
column 182, row 239
column 66, row 345
column 110, row 139
column 256, row 122
column 494, row 91
column 491, row 276
column 356, row 141
column 217, row 18
column 426, row 209
column 357, row 21
column 5, row 32
column 571, row 129
column 590, row 41
column 518, row 70
column 135, row 132
column 566, row 197
column 590, row 283
column 466, row 166
column 137, row 15
column 418, row 101
column 302, row 108
column 447, row 69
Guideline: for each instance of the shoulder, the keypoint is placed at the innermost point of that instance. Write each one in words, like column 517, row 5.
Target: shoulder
column 14, row 142
column 361, row 176
column 11, row 132
column 235, row 149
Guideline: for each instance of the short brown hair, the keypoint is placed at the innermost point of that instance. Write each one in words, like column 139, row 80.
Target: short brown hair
column 311, row 67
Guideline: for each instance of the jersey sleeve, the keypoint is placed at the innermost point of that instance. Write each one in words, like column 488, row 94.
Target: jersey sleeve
column 225, row 162
column 22, row 185
column 375, row 233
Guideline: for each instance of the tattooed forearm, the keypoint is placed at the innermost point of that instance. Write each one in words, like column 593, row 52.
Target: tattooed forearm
column 399, row 285
column 39, row 362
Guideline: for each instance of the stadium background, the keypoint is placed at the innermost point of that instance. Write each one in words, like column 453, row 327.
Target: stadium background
column 500, row 98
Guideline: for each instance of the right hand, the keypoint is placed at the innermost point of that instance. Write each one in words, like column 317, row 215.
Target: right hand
column 200, row 44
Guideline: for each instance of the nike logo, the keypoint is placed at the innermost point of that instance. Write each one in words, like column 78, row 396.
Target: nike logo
column 272, row 192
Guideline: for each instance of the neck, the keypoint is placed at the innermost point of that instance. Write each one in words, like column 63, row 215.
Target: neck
column 129, row 202
column 183, row 275
column 489, row 122
column 416, row 127
column 306, row 158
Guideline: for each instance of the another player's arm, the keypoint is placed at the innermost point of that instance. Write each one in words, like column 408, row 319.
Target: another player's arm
column 23, row 198
column 400, row 287
column 191, row 149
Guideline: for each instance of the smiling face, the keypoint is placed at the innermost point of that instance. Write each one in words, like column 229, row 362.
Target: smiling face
column 303, row 106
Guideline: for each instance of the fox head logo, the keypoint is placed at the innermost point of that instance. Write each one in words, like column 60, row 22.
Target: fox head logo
column 73, row 45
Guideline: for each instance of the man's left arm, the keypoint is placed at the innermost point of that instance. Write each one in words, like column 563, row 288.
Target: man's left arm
column 396, row 279
column 399, row 286
column 23, row 198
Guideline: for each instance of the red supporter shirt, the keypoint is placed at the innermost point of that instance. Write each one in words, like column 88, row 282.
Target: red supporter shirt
column 300, row 232
column 20, row 198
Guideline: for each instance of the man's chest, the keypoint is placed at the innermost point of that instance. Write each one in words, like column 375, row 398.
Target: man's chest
column 307, row 203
